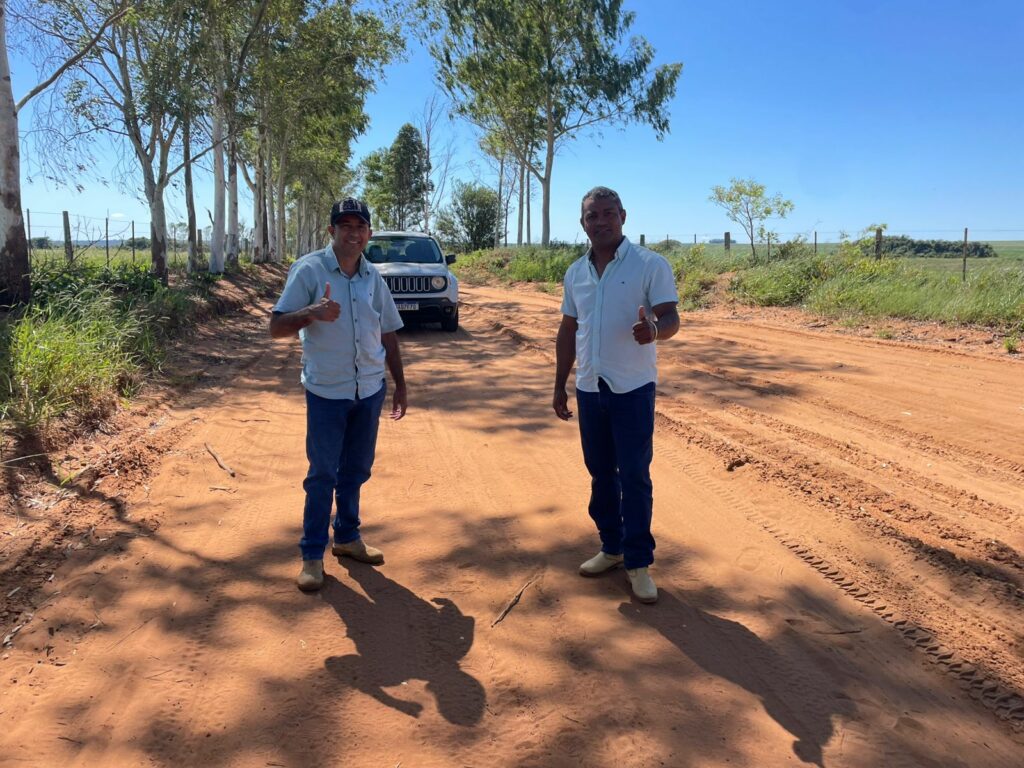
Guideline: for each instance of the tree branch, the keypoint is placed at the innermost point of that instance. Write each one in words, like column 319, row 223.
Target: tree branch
column 74, row 59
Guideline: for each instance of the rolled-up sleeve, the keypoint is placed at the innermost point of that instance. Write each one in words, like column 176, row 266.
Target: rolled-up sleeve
column 390, row 320
column 568, row 302
column 298, row 289
column 662, row 288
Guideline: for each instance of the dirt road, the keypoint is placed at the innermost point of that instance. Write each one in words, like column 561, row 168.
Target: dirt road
column 839, row 554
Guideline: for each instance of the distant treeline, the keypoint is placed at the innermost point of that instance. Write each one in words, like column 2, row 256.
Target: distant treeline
column 901, row 246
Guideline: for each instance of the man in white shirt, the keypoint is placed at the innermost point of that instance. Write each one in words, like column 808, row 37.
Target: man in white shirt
column 341, row 308
column 619, row 300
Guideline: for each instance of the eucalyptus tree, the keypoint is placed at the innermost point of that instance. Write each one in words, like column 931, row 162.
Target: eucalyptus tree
column 397, row 180
column 537, row 72
column 313, row 76
column 747, row 202
column 15, row 286
column 130, row 86
column 232, row 29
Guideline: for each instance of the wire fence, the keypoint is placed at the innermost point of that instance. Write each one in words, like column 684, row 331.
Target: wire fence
column 68, row 238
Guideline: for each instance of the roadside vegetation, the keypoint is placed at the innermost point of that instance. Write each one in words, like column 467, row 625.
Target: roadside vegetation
column 88, row 339
column 839, row 281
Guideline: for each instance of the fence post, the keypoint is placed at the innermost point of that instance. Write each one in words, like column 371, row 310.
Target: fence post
column 963, row 277
column 815, row 242
column 133, row 242
column 769, row 246
column 643, row 240
column 728, row 242
column 878, row 243
column 69, row 251
column 106, row 238
column 695, row 239
column 28, row 227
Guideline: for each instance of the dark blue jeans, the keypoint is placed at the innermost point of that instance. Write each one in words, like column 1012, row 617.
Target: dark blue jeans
column 341, row 437
column 617, row 432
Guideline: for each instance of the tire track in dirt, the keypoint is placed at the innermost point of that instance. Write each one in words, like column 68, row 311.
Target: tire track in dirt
column 812, row 466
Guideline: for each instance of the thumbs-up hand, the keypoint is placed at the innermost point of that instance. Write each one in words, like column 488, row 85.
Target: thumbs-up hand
column 645, row 330
column 326, row 310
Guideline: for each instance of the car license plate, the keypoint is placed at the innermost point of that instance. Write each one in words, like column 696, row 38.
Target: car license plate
column 407, row 306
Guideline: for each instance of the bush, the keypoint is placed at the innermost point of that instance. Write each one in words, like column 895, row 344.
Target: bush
column 79, row 357
column 780, row 283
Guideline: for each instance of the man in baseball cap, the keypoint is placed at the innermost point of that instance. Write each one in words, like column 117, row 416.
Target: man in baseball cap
column 350, row 206
column 338, row 304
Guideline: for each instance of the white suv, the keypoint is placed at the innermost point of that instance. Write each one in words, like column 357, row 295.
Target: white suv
column 424, row 289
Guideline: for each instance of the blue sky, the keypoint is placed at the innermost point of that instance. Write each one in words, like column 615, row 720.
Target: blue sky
column 859, row 111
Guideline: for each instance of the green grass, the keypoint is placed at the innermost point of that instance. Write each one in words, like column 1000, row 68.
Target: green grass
column 87, row 339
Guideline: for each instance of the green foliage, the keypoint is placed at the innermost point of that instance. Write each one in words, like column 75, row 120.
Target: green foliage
column 747, row 203
column 781, row 283
column 534, row 74
column 1012, row 344
column 396, row 181
column 846, row 283
column 901, row 246
column 470, row 221
column 76, row 358
column 87, row 338
column 532, row 264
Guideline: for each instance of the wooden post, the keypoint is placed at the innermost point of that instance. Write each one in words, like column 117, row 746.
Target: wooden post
column 769, row 246
column 815, row 242
column 728, row 242
column 878, row 243
column 28, row 227
column 69, row 251
column 695, row 239
column 133, row 241
column 963, row 277
column 106, row 240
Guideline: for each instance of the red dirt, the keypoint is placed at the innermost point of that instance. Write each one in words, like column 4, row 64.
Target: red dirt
column 839, row 557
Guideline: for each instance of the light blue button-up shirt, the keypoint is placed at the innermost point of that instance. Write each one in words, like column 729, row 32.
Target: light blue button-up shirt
column 342, row 360
column 606, row 308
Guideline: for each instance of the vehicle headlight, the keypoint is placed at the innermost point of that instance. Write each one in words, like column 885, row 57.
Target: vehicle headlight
column 438, row 283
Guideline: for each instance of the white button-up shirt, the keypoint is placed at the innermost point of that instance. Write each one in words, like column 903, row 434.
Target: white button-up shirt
column 606, row 308
column 342, row 360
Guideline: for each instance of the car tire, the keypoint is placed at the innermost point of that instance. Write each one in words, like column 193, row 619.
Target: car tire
column 450, row 324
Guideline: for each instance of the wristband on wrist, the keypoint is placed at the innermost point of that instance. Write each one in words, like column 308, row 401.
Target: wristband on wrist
column 655, row 324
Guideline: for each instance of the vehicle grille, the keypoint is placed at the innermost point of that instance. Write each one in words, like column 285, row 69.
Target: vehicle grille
column 415, row 284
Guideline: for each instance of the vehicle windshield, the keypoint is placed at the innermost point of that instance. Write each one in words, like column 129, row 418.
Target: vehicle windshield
column 407, row 250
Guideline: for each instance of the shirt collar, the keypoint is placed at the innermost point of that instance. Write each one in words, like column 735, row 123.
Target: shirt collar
column 619, row 254
column 331, row 262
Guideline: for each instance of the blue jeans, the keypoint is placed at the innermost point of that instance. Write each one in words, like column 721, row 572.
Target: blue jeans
column 617, row 432
column 341, row 437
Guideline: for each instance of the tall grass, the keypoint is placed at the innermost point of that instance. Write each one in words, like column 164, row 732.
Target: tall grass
column 86, row 340
column 530, row 264
column 842, row 285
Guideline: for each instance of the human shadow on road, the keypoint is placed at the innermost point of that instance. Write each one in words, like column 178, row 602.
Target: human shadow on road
column 401, row 637
column 731, row 651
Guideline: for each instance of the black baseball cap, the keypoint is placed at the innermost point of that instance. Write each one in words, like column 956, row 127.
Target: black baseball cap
column 350, row 206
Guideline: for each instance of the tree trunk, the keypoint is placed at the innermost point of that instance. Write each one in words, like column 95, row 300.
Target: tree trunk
column 545, row 230
column 158, row 234
column 259, row 210
column 522, row 186
column 14, row 262
column 217, row 236
column 232, row 235
column 500, row 218
column 529, row 226
column 281, row 229
column 192, row 265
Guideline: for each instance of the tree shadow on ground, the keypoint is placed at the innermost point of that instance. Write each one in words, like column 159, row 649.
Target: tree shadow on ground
column 400, row 637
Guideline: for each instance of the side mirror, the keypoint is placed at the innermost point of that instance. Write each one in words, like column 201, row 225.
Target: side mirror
column 449, row 259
